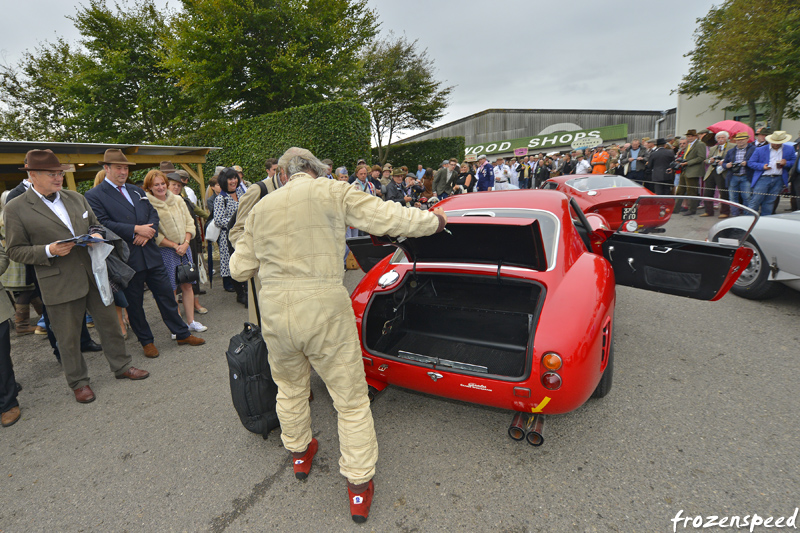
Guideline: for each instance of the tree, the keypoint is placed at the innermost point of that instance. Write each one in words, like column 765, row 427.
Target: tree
column 745, row 54
column 36, row 105
column 112, row 88
column 399, row 90
column 243, row 58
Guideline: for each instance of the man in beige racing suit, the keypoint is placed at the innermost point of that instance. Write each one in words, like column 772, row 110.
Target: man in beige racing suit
column 294, row 239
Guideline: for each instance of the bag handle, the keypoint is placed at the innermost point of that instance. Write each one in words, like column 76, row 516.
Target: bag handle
column 255, row 299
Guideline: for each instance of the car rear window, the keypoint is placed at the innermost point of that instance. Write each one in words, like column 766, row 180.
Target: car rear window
column 594, row 183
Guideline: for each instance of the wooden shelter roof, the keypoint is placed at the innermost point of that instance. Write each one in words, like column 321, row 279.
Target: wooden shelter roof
column 85, row 158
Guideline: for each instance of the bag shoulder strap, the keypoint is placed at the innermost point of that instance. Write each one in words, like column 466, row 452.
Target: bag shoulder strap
column 263, row 187
column 255, row 299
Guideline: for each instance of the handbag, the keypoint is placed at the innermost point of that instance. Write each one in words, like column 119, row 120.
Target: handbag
column 186, row 273
column 201, row 265
column 212, row 232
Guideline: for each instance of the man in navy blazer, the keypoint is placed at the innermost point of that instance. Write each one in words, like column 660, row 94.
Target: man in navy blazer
column 770, row 164
column 125, row 210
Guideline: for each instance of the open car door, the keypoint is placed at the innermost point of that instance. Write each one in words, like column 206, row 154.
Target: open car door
column 658, row 249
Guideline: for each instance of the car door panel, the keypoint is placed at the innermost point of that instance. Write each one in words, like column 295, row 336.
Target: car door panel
column 673, row 266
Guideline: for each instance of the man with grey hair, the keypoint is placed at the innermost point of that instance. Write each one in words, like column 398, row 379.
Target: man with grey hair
column 294, row 239
column 716, row 180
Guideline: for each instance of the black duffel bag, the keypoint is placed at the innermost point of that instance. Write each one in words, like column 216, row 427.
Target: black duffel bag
column 253, row 391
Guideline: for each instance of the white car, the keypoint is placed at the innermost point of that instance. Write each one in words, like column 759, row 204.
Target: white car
column 775, row 241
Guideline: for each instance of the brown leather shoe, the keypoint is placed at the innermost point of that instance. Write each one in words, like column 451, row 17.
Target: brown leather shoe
column 150, row 350
column 24, row 329
column 134, row 374
column 10, row 417
column 84, row 394
column 191, row 340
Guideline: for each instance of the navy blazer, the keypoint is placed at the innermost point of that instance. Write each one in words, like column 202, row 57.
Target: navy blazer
column 730, row 157
column 115, row 212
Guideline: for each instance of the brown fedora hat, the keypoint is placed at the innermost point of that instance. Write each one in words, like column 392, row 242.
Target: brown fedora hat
column 42, row 160
column 691, row 132
column 166, row 167
column 114, row 156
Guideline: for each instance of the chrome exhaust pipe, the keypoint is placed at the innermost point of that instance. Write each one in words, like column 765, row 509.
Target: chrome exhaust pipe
column 535, row 430
column 372, row 393
column 517, row 428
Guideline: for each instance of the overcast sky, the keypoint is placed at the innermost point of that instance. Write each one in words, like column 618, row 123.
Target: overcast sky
column 521, row 54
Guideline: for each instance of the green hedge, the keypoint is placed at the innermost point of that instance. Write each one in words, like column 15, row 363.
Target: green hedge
column 333, row 130
column 429, row 154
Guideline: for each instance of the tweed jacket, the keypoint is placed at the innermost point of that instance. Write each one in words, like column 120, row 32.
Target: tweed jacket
column 6, row 309
column 695, row 158
column 174, row 220
column 295, row 236
column 713, row 153
column 31, row 226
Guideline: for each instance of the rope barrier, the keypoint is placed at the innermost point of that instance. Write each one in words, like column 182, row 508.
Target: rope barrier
column 721, row 190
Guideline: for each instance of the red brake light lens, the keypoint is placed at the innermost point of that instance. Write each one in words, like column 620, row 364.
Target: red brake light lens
column 551, row 381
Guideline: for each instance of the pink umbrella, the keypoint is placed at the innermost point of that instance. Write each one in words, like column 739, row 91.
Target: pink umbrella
column 733, row 127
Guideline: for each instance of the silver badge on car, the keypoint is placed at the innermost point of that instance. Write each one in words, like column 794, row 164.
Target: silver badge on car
column 388, row 279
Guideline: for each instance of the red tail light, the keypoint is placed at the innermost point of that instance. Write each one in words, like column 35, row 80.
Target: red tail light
column 551, row 381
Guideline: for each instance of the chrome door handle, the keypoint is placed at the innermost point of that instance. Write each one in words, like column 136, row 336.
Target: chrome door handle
column 660, row 249
column 434, row 376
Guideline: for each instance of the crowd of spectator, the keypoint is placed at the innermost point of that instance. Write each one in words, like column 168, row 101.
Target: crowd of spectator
column 162, row 226
column 699, row 164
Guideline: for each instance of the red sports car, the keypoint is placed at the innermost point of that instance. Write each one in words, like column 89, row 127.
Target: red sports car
column 513, row 307
column 612, row 197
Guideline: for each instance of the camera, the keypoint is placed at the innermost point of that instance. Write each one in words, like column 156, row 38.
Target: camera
column 676, row 164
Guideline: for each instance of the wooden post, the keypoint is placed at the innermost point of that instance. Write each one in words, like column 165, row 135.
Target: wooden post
column 202, row 181
column 198, row 177
column 71, row 182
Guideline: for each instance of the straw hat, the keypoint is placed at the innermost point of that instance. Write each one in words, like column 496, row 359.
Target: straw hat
column 779, row 137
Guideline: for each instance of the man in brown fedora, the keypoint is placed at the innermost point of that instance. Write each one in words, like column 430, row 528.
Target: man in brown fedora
column 126, row 211
column 38, row 225
column 692, row 170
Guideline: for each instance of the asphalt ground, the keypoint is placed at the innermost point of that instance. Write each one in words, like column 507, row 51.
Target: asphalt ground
column 702, row 418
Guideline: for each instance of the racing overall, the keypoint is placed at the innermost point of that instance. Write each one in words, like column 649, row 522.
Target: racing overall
column 294, row 238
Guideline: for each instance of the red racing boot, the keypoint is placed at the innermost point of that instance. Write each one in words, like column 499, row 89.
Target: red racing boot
column 360, row 500
column 302, row 464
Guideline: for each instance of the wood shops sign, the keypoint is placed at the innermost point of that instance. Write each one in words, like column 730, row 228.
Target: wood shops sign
column 552, row 140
